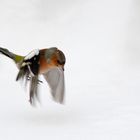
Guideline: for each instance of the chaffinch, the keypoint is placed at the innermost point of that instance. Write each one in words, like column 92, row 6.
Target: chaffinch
column 48, row 62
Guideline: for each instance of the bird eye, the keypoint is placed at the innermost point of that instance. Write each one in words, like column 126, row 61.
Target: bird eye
column 61, row 62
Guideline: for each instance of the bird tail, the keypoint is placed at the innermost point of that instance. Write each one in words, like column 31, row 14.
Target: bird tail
column 15, row 57
column 7, row 53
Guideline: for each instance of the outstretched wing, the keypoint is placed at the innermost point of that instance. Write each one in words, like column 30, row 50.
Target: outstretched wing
column 28, row 72
column 55, row 79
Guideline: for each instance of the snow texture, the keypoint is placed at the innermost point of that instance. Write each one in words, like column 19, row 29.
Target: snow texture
column 101, row 41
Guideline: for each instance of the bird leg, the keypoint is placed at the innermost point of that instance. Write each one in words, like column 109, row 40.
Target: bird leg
column 28, row 78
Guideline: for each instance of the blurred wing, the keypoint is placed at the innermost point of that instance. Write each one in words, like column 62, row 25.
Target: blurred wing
column 55, row 79
column 34, row 90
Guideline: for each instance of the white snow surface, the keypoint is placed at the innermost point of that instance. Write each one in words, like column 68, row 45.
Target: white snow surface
column 101, row 41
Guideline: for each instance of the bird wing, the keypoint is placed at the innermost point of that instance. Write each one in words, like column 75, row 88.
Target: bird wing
column 55, row 79
column 34, row 90
column 25, row 76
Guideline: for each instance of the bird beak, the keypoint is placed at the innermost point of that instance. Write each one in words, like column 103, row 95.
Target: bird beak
column 63, row 68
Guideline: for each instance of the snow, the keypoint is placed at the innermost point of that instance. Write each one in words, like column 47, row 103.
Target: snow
column 101, row 42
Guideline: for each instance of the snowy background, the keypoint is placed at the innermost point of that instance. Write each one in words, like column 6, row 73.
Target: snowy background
column 101, row 41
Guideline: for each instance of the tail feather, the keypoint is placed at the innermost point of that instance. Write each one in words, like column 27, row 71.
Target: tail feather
column 7, row 53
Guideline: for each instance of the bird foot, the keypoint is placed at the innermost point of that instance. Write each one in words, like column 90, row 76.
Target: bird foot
column 29, row 78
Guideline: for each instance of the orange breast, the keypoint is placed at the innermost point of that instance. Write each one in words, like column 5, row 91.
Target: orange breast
column 45, row 64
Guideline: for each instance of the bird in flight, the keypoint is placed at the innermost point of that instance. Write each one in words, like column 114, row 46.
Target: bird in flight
column 48, row 62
